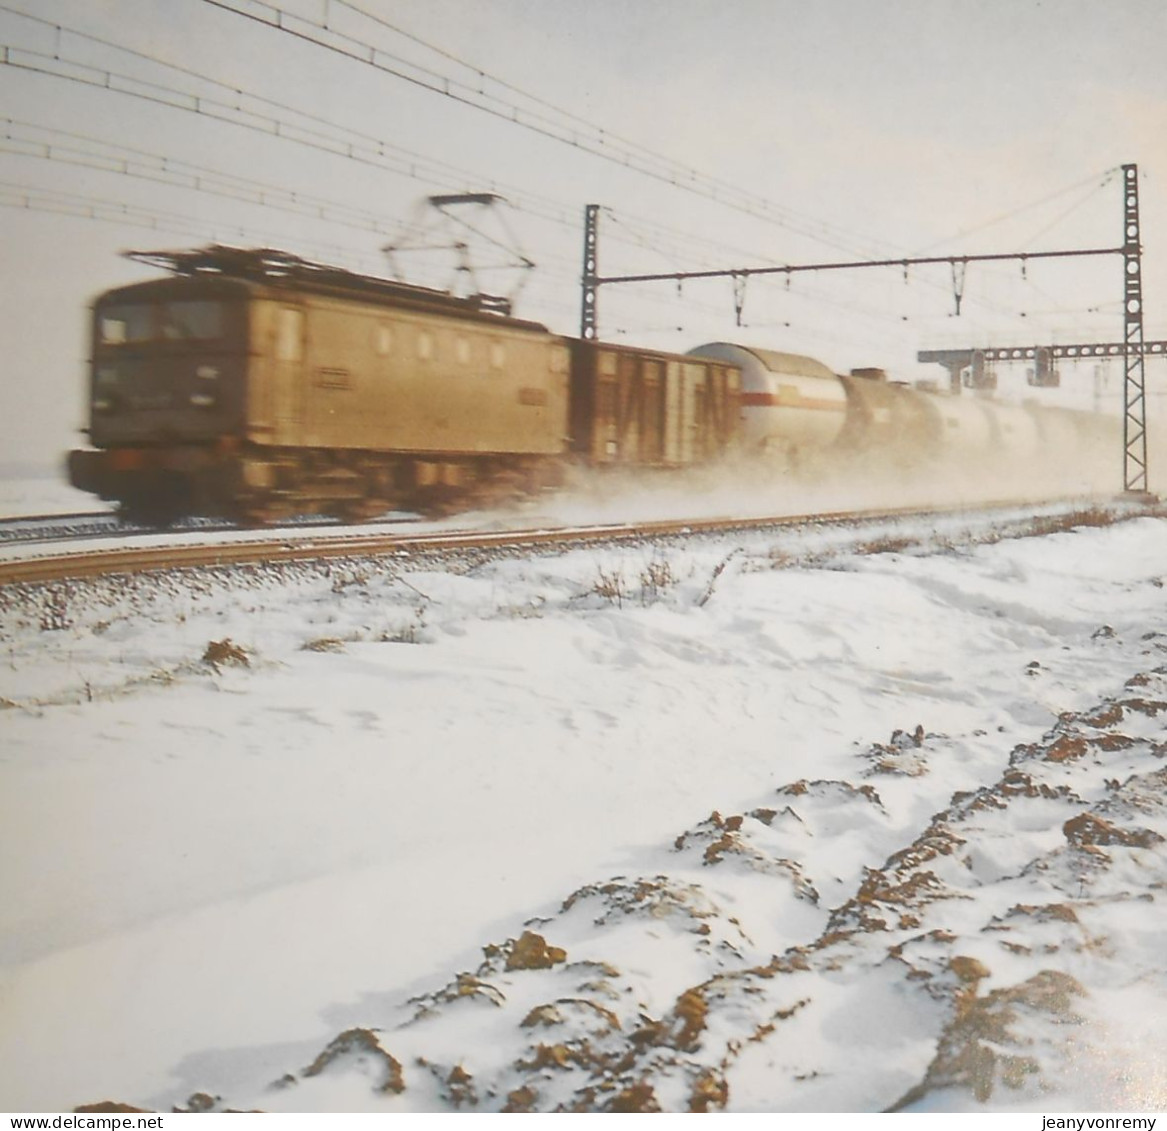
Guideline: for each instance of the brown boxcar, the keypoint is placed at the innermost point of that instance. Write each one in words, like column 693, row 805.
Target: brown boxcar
column 642, row 408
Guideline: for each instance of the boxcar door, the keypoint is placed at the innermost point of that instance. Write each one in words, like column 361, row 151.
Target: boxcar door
column 629, row 407
column 652, row 414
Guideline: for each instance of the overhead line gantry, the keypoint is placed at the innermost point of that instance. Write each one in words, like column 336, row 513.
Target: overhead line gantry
column 1132, row 346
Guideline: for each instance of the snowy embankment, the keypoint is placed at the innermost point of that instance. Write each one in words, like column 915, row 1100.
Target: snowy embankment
column 760, row 822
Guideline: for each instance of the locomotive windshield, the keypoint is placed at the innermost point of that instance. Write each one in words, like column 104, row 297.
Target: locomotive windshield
column 160, row 322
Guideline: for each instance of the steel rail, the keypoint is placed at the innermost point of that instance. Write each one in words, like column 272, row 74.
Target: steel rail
column 281, row 547
column 55, row 516
column 23, row 530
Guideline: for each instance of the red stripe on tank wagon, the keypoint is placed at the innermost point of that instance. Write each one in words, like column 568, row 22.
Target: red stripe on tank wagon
column 772, row 400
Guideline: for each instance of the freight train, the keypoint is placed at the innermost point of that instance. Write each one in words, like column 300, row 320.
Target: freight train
column 253, row 385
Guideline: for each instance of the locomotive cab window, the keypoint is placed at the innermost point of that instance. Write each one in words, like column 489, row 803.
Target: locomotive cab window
column 118, row 325
column 197, row 320
column 171, row 321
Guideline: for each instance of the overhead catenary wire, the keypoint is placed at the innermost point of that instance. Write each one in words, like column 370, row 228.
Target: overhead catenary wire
column 773, row 271
column 116, row 212
column 94, row 208
column 32, row 198
column 44, row 143
column 202, row 107
column 1075, row 206
column 239, row 107
column 367, row 151
column 559, row 125
column 29, row 140
column 1095, row 182
column 1094, row 185
column 232, row 103
column 279, row 120
column 28, row 198
column 366, row 52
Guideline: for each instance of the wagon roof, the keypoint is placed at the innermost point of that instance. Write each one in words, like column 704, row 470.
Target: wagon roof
column 798, row 363
column 258, row 269
column 774, row 360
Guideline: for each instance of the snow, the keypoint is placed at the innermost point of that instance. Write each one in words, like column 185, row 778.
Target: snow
column 758, row 821
column 27, row 490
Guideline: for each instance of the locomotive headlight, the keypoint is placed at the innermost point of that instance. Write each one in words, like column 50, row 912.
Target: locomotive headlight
column 105, row 394
column 202, row 400
column 208, row 372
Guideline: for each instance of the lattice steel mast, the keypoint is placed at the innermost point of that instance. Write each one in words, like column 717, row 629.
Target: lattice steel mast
column 1133, row 349
column 587, row 316
column 1134, row 394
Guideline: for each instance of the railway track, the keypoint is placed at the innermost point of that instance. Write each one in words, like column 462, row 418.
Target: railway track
column 84, row 525
column 56, row 527
column 292, row 544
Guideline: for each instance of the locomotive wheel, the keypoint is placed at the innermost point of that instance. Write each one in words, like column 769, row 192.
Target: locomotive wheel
column 255, row 517
column 357, row 510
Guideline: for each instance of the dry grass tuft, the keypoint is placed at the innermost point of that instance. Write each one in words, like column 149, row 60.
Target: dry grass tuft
column 610, row 586
column 225, row 651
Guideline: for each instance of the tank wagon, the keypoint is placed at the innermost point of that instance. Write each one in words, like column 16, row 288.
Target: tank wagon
column 253, row 385
column 796, row 411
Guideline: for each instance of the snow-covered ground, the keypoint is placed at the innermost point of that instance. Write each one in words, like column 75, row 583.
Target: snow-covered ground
column 758, row 822
column 29, row 490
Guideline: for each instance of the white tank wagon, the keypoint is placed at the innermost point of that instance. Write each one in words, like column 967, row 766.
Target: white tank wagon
column 792, row 406
column 800, row 415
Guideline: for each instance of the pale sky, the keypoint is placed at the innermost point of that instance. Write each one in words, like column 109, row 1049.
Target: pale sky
column 860, row 128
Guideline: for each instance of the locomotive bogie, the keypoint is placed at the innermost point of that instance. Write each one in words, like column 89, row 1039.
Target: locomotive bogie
column 157, row 484
column 355, row 485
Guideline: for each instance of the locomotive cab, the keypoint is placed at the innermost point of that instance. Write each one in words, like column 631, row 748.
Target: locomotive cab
column 166, row 391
